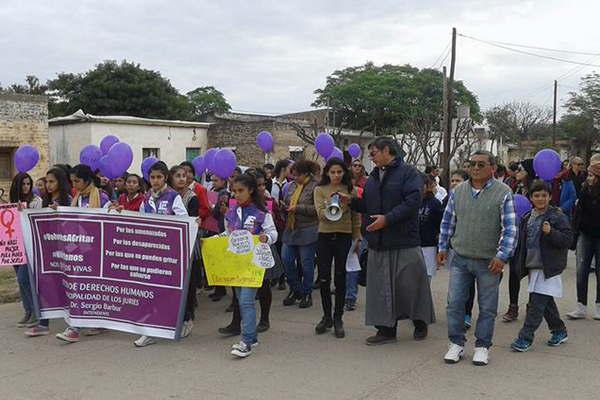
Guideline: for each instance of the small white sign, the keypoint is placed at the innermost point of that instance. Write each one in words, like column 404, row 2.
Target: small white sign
column 240, row 242
column 263, row 257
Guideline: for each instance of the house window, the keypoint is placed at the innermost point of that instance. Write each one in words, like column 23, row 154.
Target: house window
column 191, row 153
column 296, row 152
column 6, row 167
column 150, row 152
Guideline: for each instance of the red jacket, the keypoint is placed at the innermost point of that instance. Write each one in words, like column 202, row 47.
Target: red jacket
column 133, row 204
column 203, row 206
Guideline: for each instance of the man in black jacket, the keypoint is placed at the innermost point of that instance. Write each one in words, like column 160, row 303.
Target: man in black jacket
column 397, row 283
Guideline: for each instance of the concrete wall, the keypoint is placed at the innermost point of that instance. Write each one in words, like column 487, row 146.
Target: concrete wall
column 67, row 140
column 23, row 120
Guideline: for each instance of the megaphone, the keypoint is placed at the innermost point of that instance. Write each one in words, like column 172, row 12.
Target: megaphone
column 333, row 211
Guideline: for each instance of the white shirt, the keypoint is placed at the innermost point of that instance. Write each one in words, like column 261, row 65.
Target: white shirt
column 440, row 193
column 539, row 284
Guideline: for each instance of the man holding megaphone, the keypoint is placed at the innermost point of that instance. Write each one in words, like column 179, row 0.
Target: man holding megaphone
column 397, row 283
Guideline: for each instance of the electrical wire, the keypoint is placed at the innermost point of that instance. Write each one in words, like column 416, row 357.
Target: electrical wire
column 529, row 53
column 532, row 47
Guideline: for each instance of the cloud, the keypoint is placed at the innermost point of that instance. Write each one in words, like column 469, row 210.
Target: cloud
column 271, row 56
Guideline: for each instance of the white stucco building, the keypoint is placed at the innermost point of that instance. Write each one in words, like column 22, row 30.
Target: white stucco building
column 170, row 141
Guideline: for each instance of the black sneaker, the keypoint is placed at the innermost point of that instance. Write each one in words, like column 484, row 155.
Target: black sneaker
column 350, row 305
column 420, row 332
column 291, row 298
column 305, row 301
column 263, row 326
column 378, row 339
column 230, row 330
column 24, row 321
column 241, row 350
column 338, row 328
column 324, row 325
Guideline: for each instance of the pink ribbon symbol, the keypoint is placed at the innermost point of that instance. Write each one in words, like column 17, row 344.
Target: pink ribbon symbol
column 7, row 224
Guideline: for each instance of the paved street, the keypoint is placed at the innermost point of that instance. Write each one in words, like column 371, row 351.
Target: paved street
column 293, row 363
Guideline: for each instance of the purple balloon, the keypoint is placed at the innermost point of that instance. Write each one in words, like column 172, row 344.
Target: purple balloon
column 354, row 150
column 147, row 163
column 224, row 163
column 26, row 157
column 90, row 155
column 108, row 167
column 522, row 205
column 209, row 156
column 264, row 140
column 546, row 164
column 324, row 144
column 122, row 155
column 336, row 153
column 107, row 142
column 199, row 165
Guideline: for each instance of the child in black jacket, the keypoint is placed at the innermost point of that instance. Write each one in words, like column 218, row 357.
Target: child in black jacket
column 544, row 239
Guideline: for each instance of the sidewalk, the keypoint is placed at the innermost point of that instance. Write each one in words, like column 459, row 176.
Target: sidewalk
column 292, row 362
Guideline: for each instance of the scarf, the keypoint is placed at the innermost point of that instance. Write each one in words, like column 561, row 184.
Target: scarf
column 156, row 195
column 291, row 220
column 92, row 193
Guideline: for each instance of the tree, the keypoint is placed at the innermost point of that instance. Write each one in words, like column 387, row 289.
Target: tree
column 517, row 121
column 583, row 118
column 207, row 100
column 32, row 86
column 113, row 88
column 402, row 101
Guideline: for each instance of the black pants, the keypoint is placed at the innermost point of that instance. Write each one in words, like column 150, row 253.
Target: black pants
column 333, row 247
column 541, row 307
column 265, row 298
column 194, row 284
column 514, row 282
column 588, row 248
column 392, row 331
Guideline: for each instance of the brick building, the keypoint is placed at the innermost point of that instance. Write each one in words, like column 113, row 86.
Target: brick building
column 23, row 120
column 238, row 131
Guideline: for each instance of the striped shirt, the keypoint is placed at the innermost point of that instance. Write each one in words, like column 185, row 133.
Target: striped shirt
column 508, row 235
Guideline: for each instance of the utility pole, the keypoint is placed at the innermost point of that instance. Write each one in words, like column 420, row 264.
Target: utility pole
column 443, row 158
column 449, row 113
column 554, row 117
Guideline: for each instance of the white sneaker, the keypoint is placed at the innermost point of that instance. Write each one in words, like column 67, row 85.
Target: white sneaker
column 597, row 315
column 481, row 356
column 454, row 354
column 579, row 312
column 187, row 328
column 144, row 341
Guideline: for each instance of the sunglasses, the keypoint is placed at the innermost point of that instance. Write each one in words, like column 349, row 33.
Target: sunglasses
column 478, row 164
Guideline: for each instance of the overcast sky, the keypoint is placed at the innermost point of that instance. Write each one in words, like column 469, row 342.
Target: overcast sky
column 269, row 57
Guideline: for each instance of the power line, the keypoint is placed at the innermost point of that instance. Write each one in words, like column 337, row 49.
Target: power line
column 445, row 51
column 533, row 47
column 529, row 53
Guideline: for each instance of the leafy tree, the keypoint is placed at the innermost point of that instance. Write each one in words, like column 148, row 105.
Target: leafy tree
column 207, row 100
column 517, row 121
column 32, row 86
column 400, row 100
column 581, row 124
column 113, row 88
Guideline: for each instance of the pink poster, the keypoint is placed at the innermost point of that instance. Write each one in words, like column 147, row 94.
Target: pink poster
column 12, row 249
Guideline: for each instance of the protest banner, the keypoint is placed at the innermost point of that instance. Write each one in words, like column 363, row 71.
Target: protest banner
column 230, row 262
column 12, row 248
column 126, row 272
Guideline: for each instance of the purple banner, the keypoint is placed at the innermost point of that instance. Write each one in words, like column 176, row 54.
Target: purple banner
column 125, row 272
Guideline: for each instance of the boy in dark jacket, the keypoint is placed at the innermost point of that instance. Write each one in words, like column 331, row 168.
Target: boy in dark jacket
column 544, row 239
column 430, row 218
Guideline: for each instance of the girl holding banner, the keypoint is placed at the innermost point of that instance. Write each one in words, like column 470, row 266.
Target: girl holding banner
column 163, row 200
column 249, row 214
column 21, row 192
column 58, row 191
column 87, row 195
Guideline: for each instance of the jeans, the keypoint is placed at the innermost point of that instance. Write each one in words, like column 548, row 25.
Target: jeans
column 307, row 260
column 352, row 285
column 541, row 307
column 246, row 298
column 333, row 247
column 22, row 272
column 463, row 272
column 587, row 249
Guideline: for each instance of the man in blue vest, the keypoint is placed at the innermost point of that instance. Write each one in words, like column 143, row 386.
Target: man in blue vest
column 480, row 225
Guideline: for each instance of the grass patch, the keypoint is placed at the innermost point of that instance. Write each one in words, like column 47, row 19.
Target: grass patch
column 9, row 290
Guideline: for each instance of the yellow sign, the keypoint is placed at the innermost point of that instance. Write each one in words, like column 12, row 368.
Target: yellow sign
column 225, row 268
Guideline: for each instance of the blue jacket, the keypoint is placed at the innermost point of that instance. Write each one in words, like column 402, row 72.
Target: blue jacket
column 398, row 197
column 568, row 197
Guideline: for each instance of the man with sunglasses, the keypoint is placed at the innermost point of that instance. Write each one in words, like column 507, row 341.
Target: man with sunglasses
column 480, row 224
